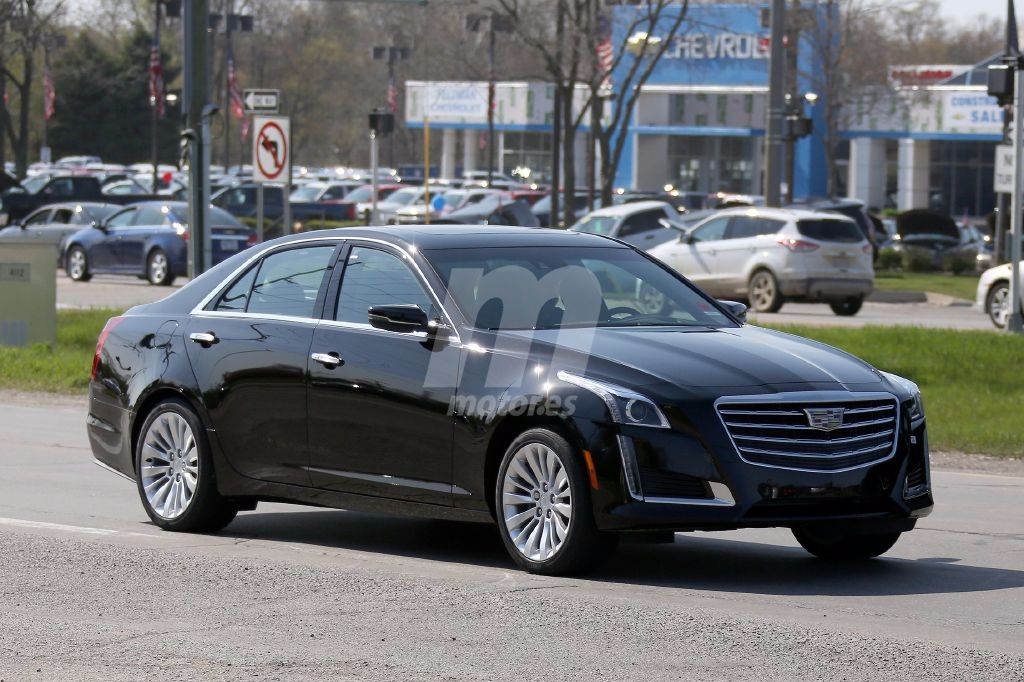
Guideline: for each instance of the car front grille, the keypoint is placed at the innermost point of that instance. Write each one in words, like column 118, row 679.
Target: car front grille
column 779, row 433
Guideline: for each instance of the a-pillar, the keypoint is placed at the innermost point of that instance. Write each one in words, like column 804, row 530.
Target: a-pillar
column 867, row 171
column 912, row 176
column 470, row 150
column 448, row 153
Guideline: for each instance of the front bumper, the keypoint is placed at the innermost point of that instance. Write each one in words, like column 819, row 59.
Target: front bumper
column 696, row 480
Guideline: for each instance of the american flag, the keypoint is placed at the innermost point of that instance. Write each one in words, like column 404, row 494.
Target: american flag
column 156, row 81
column 392, row 94
column 237, row 105
column 605, row 53
column 49, row 95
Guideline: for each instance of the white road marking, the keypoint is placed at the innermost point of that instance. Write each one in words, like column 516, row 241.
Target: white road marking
column 85, row 530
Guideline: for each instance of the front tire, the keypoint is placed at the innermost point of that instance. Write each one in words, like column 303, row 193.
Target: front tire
column 158, row 268
column 543, row 509
column 76, row 265
column 997, row 304
column 835, row 547
column 764, row 293
column 174, row 472
column 847, row 307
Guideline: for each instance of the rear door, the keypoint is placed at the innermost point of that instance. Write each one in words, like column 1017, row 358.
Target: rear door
column 249, row 349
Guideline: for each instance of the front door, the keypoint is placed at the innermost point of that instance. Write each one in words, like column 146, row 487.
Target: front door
column 379, row 419
column 696, row 256
column 104, row 254
column 249, row 351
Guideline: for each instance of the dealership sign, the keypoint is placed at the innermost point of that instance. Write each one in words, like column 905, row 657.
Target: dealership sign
column 465, row 102
column 719, row 46
column 921, row 75
column 971, row 112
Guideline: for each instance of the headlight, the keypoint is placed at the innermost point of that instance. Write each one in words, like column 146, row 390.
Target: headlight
column 917, row 404
column 626, row 406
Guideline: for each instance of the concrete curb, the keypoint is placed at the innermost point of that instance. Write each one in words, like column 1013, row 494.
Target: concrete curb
column 929, row 297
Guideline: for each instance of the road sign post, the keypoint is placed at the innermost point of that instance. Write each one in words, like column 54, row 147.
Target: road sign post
column 271, row 162
column 1014, row 323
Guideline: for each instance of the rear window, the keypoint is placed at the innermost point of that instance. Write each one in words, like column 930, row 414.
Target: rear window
column 830, row 230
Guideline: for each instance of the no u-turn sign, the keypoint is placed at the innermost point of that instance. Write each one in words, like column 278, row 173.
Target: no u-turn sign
column 271, row 148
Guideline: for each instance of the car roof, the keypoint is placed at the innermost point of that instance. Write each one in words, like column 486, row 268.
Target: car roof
column 629, row 208
column 780, row 213
column 427, row 237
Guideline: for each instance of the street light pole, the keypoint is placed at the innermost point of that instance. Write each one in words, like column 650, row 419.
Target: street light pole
column 490, row 103
column 774, row 140
column 1014, row 323
column 154, row 143
column 196, row 96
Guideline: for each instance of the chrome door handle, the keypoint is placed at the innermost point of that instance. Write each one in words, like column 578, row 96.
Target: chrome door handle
column 203, row 338
column 326, row 359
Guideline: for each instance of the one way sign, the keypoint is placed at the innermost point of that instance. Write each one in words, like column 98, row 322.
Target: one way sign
column 261, row 101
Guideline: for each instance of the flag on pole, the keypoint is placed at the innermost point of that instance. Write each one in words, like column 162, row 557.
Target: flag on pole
column 237, row 104
column 605, row 53
column 49, row 95
column 392, row 94
column 156, row 81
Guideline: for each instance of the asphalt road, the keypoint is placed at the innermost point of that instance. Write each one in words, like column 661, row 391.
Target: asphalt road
column 106, row 291
column 90, row 589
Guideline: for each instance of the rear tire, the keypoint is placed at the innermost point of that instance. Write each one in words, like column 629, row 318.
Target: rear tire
column 997, row 304
column 542, row 494
column 764, row 293
column 833, row 547
column 76, row 264
column 158, row 268
column 174, row 472
column 847, row 307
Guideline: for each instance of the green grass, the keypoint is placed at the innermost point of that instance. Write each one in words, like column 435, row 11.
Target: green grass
column 63, row 368
column 958, row 286
column 970, row 380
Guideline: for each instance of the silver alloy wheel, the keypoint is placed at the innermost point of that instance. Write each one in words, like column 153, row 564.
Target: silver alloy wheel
column 650, row 300
column 999, row 306
column 170, row 465
column 157, row 267
column 762, row 290
column 76, row 264
column 536, row 501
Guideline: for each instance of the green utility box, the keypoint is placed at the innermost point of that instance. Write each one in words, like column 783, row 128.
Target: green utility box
column 28, row 294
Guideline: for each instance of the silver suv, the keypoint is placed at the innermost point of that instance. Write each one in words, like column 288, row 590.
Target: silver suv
column 769, row 256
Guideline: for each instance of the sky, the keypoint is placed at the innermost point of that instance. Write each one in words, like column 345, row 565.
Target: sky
column 961, row 10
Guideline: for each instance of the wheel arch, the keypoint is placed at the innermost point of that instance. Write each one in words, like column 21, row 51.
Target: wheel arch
column 149, row 401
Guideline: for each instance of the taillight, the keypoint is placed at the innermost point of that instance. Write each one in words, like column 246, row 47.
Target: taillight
column 866, row 248
column 797, row 245
column 251, row 240
column 107, row 328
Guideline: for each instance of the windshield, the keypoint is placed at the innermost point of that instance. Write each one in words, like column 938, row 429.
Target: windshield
column 33, row 185
column 404, row 197
column 535, row 287
column 307, row 192
column 364, row 193
column 597, row 224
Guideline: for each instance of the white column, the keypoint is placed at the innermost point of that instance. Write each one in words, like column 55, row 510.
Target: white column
column 912, row 174
column 470, row 150
column 867, row 171
column 448, row 153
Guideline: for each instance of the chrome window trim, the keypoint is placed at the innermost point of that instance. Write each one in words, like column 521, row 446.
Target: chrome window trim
column 254, row 316
column 810, row 397
column 359, row 327
column 215, row 293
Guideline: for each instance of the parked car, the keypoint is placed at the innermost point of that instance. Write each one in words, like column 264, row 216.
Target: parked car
column 362, row 198
column 769, row 256
column 47, row 188
column 324, row 192
column 453, row 200
column 854, row 209
column 492, row 210
column 53, row 224
column 993, row 295
column 407, row 196
column 542, row 208
column 379, row 370
column 637, row 223
column 240, row 201
column 935, row 234
column 149, row 240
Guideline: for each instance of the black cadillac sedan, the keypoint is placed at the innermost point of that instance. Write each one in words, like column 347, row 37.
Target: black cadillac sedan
column 504, row 375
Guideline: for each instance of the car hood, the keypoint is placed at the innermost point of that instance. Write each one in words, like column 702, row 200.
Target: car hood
column 925, row 222
column 705, row 357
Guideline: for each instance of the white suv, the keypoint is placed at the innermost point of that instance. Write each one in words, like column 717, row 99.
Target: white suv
column 769, row 256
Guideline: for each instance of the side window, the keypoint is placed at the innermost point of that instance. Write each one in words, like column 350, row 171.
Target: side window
column 63, row 216
column 334, row 192
column 122, row 219
column 288, row 282
column 711, row 231
column 151, row 216
column 641, row 222
column 769, row 226
column 38, row 218
column 742, row 227
column 236, row 299
column 374, row 277
column 61, row 187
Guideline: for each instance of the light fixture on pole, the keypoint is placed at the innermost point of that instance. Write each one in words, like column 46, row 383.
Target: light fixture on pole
column 496, row 23
column 391, row 54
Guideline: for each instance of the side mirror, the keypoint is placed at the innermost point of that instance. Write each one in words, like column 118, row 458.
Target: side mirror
column 736, row 309
column 404, row 318
column 683, row 230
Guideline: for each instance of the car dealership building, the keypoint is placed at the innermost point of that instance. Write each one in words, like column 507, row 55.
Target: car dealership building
column 699, row 125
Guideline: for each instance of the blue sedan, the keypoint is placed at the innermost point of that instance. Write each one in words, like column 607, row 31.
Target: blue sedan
column 149, row 240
